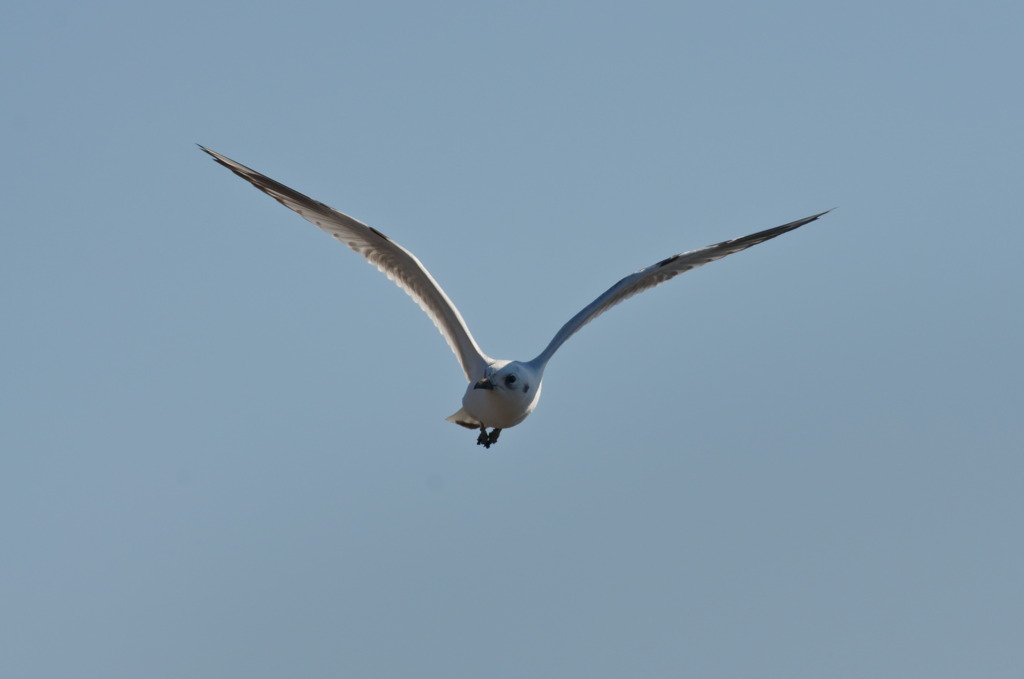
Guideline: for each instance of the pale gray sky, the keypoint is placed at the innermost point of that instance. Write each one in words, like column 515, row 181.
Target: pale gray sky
column 223, row 441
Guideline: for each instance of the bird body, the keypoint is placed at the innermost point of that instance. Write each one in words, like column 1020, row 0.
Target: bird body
column 503, row 398
column 500, row 393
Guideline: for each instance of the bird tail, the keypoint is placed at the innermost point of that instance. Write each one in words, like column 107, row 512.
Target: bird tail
column 464, row 419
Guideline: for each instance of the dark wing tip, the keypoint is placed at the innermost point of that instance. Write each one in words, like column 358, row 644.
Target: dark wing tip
column 807, row 220
column 768, row 234
column 213, row 154
column 232, row 165
column 272, row 188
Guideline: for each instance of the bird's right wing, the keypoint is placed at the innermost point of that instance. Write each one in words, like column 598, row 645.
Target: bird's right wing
column 656, row 274
column 389, row 257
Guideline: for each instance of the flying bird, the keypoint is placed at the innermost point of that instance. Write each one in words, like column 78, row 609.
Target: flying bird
column 500, row 393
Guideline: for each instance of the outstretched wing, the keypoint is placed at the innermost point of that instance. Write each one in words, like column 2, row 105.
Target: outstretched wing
column 389, row 257
column 657, row 274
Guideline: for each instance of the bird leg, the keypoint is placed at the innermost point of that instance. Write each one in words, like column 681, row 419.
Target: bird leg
column 486, row 439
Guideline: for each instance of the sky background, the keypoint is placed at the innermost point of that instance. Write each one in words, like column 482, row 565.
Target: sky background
column 223, row 443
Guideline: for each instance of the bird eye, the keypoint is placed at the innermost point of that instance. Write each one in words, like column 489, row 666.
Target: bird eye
column 510, row 380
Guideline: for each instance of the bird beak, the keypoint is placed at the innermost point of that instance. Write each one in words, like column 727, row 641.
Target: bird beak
column 485, row 383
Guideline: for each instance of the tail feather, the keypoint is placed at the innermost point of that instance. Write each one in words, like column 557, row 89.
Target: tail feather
column 464, row 419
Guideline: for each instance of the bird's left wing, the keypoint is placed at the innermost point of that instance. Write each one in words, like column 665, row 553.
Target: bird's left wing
column 656, row 274
column 389, row 257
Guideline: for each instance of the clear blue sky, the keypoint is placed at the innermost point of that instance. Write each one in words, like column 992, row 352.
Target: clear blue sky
column 223, row 443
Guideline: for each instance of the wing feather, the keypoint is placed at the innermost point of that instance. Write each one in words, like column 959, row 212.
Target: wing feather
column 394, row 261
column 656, row 274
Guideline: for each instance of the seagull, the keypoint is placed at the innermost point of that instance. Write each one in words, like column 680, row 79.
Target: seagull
column 501, row 393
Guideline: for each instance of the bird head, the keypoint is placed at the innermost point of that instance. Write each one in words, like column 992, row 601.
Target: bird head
column 511, row 378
